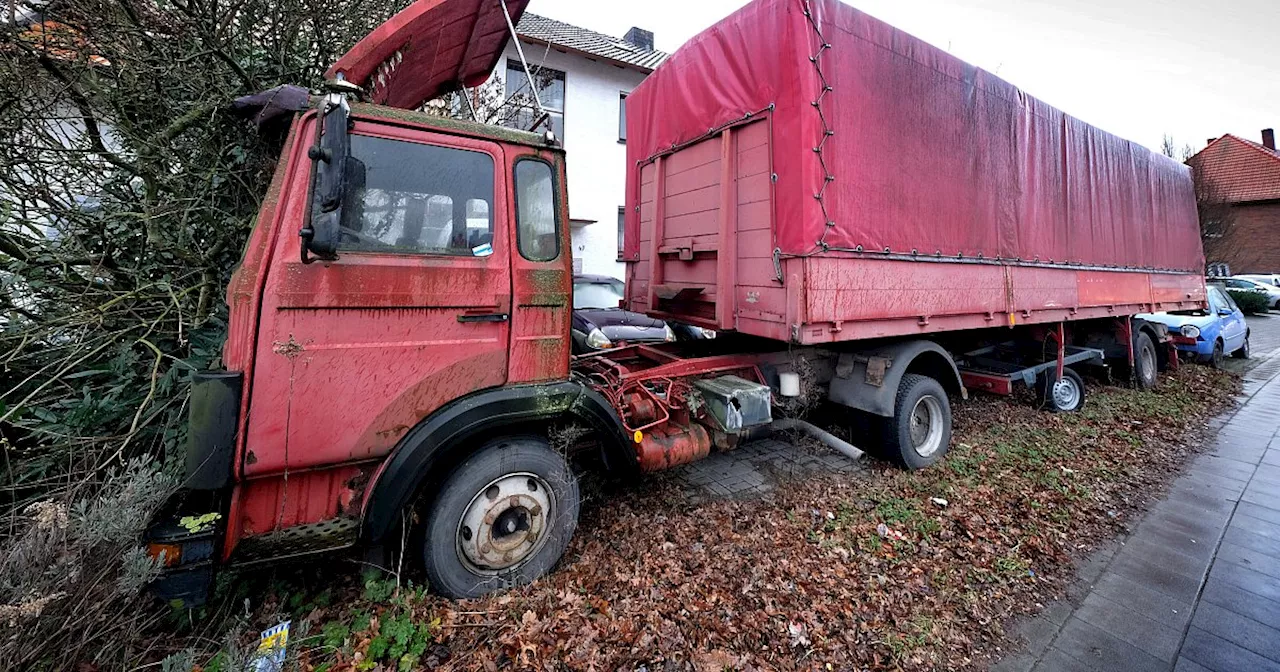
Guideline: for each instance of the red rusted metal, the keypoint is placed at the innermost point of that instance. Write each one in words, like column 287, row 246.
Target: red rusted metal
column 672, row 446
column 987, row 382
column 342, row 359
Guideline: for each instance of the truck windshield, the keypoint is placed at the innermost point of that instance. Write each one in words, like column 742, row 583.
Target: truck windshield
column 415, row 198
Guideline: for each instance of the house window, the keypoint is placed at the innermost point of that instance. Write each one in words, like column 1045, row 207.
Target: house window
column 622, row 215
column 550, row 85
column 443, row 206
column 622, row 117
column 536, row 230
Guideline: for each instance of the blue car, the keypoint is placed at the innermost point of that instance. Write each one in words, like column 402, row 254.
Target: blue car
column 1208, row 336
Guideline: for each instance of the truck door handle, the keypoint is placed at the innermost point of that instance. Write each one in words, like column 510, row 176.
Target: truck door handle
column 484, row 317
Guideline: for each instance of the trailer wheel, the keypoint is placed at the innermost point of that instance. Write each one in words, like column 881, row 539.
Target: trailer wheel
column 1061, row 396
column 503, row 518
column 919, row 433
column 1145, row 362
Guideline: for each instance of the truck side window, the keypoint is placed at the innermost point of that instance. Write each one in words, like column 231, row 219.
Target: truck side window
column 537, row 231
column 407, row 197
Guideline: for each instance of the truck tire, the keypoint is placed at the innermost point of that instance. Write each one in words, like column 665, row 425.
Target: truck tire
column 1060, row 396
column 1145, row 361
column 502, row 519
column 919, row 433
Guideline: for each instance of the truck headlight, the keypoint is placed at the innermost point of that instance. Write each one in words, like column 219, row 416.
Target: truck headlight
column 598, row 340
column 1190, row 331
column 671, row 333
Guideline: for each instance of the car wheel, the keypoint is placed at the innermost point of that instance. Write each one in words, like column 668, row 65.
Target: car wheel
column 1145, row 362
column 1063, row 395
column 919, row 433
column 1215, row 360
column 1244, row 351
column 502, row 519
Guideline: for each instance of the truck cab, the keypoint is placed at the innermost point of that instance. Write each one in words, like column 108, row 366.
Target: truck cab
column 398, row 325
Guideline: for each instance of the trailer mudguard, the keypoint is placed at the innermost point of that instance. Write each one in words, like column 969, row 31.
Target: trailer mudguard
column 868, row 379
column 427, row 450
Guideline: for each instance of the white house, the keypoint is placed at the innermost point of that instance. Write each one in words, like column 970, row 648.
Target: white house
column 584, row 78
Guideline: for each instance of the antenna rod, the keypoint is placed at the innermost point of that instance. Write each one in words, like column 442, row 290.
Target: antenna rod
column 542, row 114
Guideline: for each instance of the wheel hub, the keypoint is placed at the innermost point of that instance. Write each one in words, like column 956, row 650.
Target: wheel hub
column 926, row 426
column 505, row 523
column 1065, row 393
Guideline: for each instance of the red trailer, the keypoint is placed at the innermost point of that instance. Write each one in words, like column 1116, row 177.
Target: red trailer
column 865, row 219
column 804, row 172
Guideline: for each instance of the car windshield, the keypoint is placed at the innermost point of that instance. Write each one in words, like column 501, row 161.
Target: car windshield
column 597, row 294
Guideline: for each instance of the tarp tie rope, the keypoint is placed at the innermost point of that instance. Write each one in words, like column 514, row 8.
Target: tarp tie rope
column 827, row 132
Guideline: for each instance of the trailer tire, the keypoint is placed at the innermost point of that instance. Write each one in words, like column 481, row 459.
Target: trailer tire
column 1145, row 361
column 502, row 519
column 1063, row 396
column 919, row 432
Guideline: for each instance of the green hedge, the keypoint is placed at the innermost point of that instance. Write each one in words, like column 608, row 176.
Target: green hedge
column 1250, row 302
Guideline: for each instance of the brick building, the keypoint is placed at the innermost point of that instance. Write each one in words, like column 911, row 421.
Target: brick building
column 1238, row 184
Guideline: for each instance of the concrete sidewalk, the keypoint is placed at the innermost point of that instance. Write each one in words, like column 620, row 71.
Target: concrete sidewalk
column 1196, row 586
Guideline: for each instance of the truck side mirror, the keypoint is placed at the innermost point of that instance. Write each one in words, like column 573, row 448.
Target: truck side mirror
column 329, row 156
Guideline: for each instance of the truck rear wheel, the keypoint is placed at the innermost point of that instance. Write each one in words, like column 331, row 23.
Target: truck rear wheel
column 919, row 433
column 1145, row 362
column 502, row 519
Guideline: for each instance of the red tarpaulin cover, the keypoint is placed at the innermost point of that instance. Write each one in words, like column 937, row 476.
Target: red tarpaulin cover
column 928, row 153
column 428, row 49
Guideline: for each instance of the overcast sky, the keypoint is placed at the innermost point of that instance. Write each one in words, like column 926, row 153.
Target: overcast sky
column 1193, row 69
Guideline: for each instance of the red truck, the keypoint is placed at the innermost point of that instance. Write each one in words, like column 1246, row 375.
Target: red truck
column 863, row 218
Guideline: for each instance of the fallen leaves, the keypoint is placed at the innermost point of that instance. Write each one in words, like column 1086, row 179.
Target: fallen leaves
column 882, row 570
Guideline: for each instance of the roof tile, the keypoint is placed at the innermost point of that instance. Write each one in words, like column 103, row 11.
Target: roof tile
column 560, row 34
column 1242, row 170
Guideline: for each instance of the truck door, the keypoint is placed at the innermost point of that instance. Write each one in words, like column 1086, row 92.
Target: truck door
column 414, row 312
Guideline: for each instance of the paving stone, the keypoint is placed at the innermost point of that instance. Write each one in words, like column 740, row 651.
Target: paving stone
column 1236, row 449
column 1185, row 665
column 1205, row 526
column 1165, row 537
column 1256, row 496
column 1055, row 660
column 1202, row 494
column 1258, row 511
column 1255, row 525
column 1153, row 604
column 1163, row 579
column 1221, row 655
column 1254, row 582
column 1272, row 456
column 1201, row 478
column 1038, row 633
column 1018, row 662
column 1057, row 612
column 1239, row 630
column 1118, row 621
column 1237, row 599
column 1209, row 510
column 1232, row 469
column 1245, row 557
column 1095, row 647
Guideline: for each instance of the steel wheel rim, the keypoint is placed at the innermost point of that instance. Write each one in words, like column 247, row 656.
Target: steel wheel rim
column 926, row 426
column 1066, row 394
column 1148, row 363
column 505, row 524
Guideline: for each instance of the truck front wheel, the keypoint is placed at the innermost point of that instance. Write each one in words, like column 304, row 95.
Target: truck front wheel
column 919, row 433
column 502, row 519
